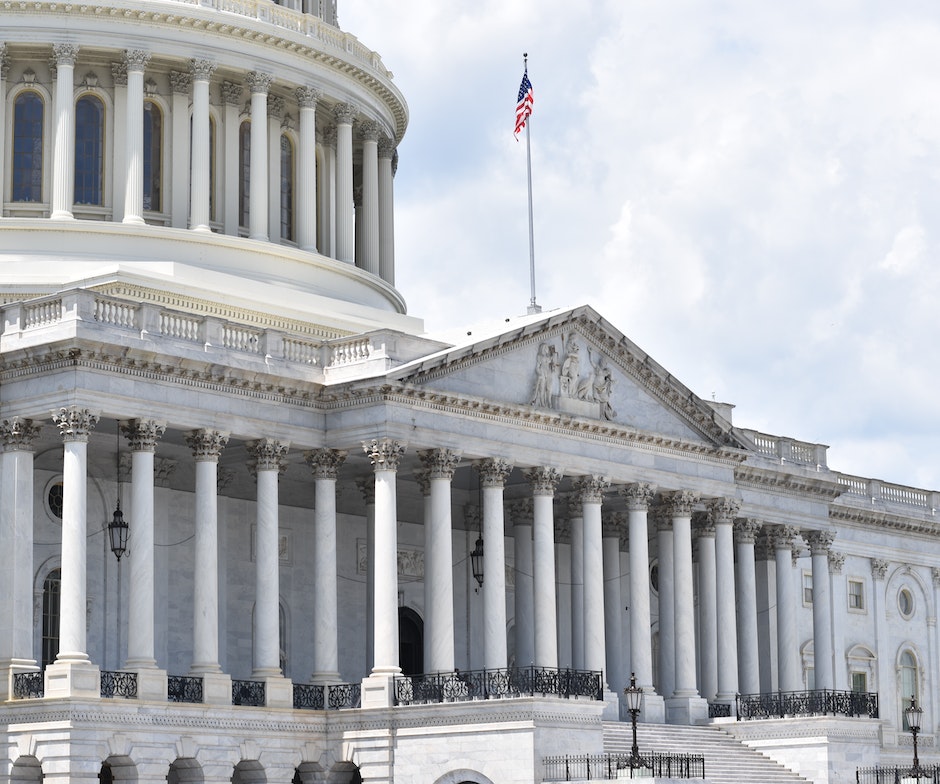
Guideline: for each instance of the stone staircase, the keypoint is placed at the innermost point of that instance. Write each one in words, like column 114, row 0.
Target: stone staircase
column 726, row 760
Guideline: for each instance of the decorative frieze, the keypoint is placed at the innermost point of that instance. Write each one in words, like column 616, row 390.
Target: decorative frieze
column 586, row 396
column 18, row 434
column 440, row 463
column 267, row 454
column 384, row 453
column 410, row 561
column 325, row 463
column 74, row 423
column 207, row 445
column 544, row 480
column 142, row 434
column 493, row 471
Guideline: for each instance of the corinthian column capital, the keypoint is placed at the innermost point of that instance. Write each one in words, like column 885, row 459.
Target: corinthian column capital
column 385, row 453
column 65, row 54
column 493, row 471
column 325, row 463
column 142, row 434
column 18, row 434
column 544, row 480
column 74, row 423
column 136, row 59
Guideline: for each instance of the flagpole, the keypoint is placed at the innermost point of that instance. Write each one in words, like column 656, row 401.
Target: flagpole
column 533, row 307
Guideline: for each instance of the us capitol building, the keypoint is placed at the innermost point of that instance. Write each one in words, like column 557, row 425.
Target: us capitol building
column 257, row 526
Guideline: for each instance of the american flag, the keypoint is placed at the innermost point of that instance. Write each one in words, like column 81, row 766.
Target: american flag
column 524, row 106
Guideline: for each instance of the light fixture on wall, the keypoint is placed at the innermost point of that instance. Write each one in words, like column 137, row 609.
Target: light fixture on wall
column 117, row 528
column 476, row 561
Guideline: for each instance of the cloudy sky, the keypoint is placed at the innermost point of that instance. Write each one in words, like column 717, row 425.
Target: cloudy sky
column 748, row 190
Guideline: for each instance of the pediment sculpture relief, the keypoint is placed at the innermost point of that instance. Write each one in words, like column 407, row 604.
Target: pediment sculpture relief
column 587, row 395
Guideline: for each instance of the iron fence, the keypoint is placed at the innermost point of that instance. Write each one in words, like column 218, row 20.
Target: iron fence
column 119, row 684
column 719, row 710
column 593, row 767
column 334, row 696
column 344, row 695
column 308, row 696
column 248, row 693
column 498, row 684
column 28, row 685
column 925, row 774
column 807, row 703
column 184, row 688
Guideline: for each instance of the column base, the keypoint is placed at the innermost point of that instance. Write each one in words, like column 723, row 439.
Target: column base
column 9, row 668
column 73, row 679
column 378, row 691
column 216, row 688
column 652, row 708
column 151, row 684
column 134, row 220
column 278, row 692
column 686, row 710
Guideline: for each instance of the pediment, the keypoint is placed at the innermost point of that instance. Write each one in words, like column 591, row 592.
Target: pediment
column 578, row 365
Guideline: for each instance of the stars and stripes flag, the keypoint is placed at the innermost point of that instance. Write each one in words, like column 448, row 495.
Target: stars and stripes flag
column 524, row 104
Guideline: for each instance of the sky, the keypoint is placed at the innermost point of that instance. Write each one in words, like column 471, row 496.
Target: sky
column 748, row 190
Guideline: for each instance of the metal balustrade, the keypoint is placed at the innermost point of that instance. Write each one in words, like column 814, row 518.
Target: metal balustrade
column 600, row 767
column 883, row 774
column 184, row 688
column 119, row 684
column 250, row 693
column 807, row 703
column 28, row 685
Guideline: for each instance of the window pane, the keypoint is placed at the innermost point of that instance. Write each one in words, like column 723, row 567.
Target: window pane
column 50, row 617
column 859, row 682
column 27, row 147
column 153, row 156
column 287, row 189
column 89, row 140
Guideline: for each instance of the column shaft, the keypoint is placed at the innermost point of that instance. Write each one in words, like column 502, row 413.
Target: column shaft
column 307, row 185
column 200, row 184
column 577, row 590
column 140, row 616
column 708, row 611
column 267, row 609
column 258, row 160
column 748, row 652
column 370, row 260
column 345, row 221
column 63, row 150
column 722, row 513
column 641, row 652
column 819, row 542
column 119, row 173
column 544, row 481
column 180, row 149
column 386, row 211
column 231, row 95
column 613, row 628
column 134, row 137
column 685, row 605
column 788, row 663
column 667, row 608
column 524, row 595
column 495, row 653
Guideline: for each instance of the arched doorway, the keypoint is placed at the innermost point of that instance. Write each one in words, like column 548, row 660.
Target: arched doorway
column 410, row 642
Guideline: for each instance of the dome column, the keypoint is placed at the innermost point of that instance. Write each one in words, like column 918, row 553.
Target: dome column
column 326, row 187
column 387, row 158
column 63, row 150
column 180, row 83
column 259, row 83
column 136, row 61
column 231, row 97
column 307, row 99
column 345, row 115
column 369, row 261
column 119, row 173
column 200, row 186
column 276, row 106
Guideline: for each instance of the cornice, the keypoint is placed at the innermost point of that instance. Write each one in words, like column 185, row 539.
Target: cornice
column 251, row 29
column 786, row 483
column 520, row 415
column 881, row 519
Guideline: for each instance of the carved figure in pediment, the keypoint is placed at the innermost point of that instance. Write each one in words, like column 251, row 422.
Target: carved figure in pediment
column 597, row 385
column 570, row 368
column 546, row 366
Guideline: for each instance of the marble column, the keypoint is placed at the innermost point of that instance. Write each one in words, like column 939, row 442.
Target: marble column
column 345, row 115
column 685, row 706
column 259, row 84
column 369, row 136
column 326, row 187
column 200, row 184
column 276, row 107
column 563, row 590
column 18, row 437
column 325, row 464
column 72, row 673
column 819, row 543
column 385, row 454
column 4, row 69
column 63, row 142
column 613, row 604
column 722, row 512
column 438, row 561
column 142, row 436
column 590, row 490
column 307, row 98
column 207, row 446
column 837, row 609
column 704, row 532
column 180, row 83
column 387, row 159
column 135, row 61
column 521, row 516
column 745, row 532
column 576, row 532
column 493, row 474
column 667, row 603
column 638, row 497
column 366, row 487
column 885, row 660
column 231, row 98
column 544, row 481
column 765, row 568
column 788, row 651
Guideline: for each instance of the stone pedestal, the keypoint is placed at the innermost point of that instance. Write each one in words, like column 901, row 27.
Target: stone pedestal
column 73, row 679
column 8, row 669
column 686, row 710
column 611, row 706
column 151, row 685
column 278, row 692
column 652, row 709
column 378, row 691
column 216, row 688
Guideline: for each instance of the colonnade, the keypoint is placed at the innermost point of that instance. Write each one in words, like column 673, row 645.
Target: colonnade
column 329, row 216
column 722, row 663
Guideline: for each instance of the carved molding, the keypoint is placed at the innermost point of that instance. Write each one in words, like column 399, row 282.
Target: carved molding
column 65, row 54
column 231, row 92
column 638, row 496
column 544, row 480
column 590, row 489
column 879, row 568
column 136, row 60
column 819, row 541
column 202, row 70
column 345, row 113
column 258, row 82
column 267, row 454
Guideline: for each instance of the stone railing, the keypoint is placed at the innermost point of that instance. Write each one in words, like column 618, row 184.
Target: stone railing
column 789, row 450
column 820, row 702
column 876, row 490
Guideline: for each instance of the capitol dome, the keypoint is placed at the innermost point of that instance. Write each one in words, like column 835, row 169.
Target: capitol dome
column 254, row 177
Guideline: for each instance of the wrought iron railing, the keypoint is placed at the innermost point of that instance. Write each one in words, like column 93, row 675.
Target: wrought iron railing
column 344, row 695
column 594, row 767
column 248, row 693
column 925, row 774
column 719, row 710
column 28, row 685
column 115, row 683
column 308, row 696
column 807, row 703
column 184, row 688
column 498, row 684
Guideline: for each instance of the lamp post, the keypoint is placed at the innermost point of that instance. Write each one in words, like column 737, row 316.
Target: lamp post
column 914, row 714
column 634, row 695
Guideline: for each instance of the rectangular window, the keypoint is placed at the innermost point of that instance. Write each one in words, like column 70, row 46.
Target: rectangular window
column 860, row 682
column 856, row 595
column 808, row 589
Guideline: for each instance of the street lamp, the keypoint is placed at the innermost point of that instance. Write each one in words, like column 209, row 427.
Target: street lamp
column 117, row 528
column 914, row 714
column 476, row 561
column 634, row 695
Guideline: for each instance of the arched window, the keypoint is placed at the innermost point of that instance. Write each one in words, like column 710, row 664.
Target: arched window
column 287, row 188
column 908, row 684
column 28, row 111
column 50, row 616
column 89, row 150
column 153, row 157
column 244, row 171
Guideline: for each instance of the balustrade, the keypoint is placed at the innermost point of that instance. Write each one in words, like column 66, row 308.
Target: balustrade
column 606, row 767
column 807, row 703
column 119, row 684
